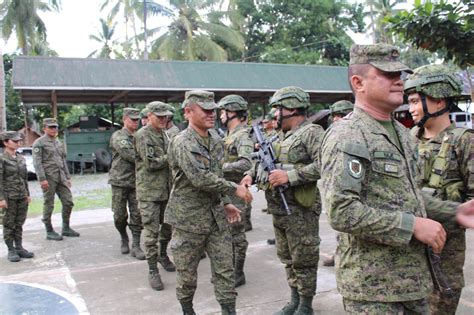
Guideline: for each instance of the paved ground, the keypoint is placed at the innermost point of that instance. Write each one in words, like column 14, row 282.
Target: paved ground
column 90, row 273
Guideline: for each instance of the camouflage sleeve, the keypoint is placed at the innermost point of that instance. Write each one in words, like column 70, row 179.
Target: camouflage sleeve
column 63, row 158
column 154, row 158
column 2, row 182
column 244, row 162
column 341, row 196
column 309, row 173
column 443, row 211
column 466, row 156
column 38, row 160
column 124, row 147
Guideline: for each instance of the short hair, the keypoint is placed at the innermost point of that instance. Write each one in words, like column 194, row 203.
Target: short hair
column 357, row 69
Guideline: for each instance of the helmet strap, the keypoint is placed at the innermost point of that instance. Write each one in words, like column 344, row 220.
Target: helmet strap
column 427, row 115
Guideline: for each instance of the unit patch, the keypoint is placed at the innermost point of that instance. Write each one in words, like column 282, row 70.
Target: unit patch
column 356, row 169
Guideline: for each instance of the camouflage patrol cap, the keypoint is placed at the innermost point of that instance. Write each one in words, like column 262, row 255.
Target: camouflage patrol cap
column 159, row 108
column 290, row 97
column 341, row 107
column 131, row 112
column 144, row 113
column 204, row 99
column 233, row 103
column 48, row 122
column 437, row 81
column 171, row 109
column 270, row 116
column 12, row 135
column 382, row 56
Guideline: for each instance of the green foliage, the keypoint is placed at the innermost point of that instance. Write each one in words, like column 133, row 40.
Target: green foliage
column 104, row 37
column 444, row 27
column 14, row 110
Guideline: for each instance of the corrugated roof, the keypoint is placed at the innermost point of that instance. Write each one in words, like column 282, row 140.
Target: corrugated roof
column 75, row 80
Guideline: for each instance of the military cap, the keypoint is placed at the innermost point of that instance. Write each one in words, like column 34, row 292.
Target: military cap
column 290, row 97
column 159, row 108
column 341, row 107
column 437, row 81
column 48, row 122
column 12, row 135
column 270, row 115
column 144, row 112
column 131, row 112
column 171, row 109
column 382, row 56
column 233, row 103
column 205, row 99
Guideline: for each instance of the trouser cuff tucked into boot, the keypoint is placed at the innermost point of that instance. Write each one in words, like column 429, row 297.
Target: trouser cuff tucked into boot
column 136, row 250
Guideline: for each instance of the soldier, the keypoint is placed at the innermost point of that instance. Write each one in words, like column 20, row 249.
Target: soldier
column 237, row 149
column 340, row 109
column 14, row 195
column 297, row 235
column 447, row 157
column 171, row 129
column 151, row 145
column 368, row 188
column 269, row 124
column 144, row 116
column 49, row 160
column 122, row 180
column 198, row 205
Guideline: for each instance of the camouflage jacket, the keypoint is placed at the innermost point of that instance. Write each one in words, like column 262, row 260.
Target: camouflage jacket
column 369, row 190
column 173, row 131
column 196, row 199
column 13, row 177
column 151, row 164
column 49, row 159
column 238, row 146
column 122, row 170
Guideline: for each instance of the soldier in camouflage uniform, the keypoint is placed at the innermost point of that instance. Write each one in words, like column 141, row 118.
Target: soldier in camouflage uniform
column 49, row 160
column 151, row 145
column 297, row 235
column 144, row 116
column 237, row 149
column 198, row 204
column 340, row 109
column 122, row 180
column 14, row 195
column 369, row 190
column 269, row 124
column 447, row 157
column 171, row 129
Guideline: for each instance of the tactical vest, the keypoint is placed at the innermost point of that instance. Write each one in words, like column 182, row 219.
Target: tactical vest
column 442, row 171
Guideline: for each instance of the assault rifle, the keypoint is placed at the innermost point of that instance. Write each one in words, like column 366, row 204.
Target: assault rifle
column 439, row 278
column 266, row 156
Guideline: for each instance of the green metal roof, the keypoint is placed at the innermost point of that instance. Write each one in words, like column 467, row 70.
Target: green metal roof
column 75, row 80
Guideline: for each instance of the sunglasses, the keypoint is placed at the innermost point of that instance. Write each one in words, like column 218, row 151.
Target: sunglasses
column 52, row 127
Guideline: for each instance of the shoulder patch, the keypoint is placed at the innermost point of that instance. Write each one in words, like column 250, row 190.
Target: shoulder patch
column 36, row 150
column 355, row 167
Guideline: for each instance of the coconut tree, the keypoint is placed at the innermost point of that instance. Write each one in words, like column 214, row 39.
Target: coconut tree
column 379, row 10
column 104, row 37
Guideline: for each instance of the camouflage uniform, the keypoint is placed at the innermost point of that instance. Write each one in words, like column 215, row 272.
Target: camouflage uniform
column 195, row 209
column 447, row 164
column 152, row 185
column 237, row 147
column 14, row 190
column 173, row 130
column 369, row 190
column 49, row 160
column 122, row 180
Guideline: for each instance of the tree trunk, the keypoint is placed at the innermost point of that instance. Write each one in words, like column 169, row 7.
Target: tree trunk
column 3, row 115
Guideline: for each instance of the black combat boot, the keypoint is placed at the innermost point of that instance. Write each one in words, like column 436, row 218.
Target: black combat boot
column 154, row 276
column 187, row 307
column 23, row 253
column 12, row 254
column 136, row 250
column 239, row 272
column 228, row 308
column 67, row 231
column 305, row 307
column 124, row 248
column 290, row 308
column 329, row 262
column 51, row 233
column 164, row 260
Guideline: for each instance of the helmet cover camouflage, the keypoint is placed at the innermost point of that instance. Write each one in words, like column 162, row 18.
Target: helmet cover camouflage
column 437, row 81
column 341, row 107
column 290, row 97
column 233, row 103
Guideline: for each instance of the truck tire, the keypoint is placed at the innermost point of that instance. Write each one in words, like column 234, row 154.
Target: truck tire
column 103, row 159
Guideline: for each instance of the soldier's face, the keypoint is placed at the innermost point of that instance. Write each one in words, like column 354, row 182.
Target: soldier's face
column 223, row 117
column 158, row 122
column 201, row 118
column 144, row 121
column 130, row 124
column 416, row 106
column 383, row 90
column 336, row 117
column 12, row 144
column 51, row 131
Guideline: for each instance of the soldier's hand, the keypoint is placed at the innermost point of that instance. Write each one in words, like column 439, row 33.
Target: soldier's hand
column 28, row 199
column 246, row 181
column 3, row 204
column 232, row 213
column 243, row 193
column 44, row 185
column 69, row 183
column 278, row 178
column 430, row 233
column 465, row 214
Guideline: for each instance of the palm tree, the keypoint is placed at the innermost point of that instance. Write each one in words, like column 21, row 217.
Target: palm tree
column 379, row 10
column 104, row 36
column 21, row 17
column 190, row 37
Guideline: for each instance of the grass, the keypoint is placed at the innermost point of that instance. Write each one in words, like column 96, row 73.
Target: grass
column 94, row 199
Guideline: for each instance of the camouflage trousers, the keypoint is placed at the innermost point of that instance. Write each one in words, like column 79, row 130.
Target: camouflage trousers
column 64, row 194
column 154, row 230
column 442, row 305
column 14, row 218
column 239, row 239
column 297, row 243
column 187, row 249
column 121, row 196
column 389, row 308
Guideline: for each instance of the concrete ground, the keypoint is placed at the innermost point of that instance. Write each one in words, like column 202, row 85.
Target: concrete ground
column 90, row 273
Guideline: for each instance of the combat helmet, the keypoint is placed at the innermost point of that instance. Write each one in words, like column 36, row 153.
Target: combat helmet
column 341, row 107
column 290, row 97
column 233, row 103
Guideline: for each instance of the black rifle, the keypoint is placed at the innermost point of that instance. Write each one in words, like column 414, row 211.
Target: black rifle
column 439, row 278
column 266, row 156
